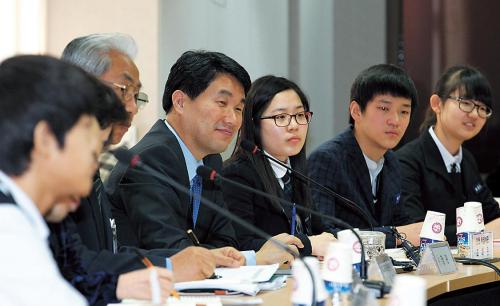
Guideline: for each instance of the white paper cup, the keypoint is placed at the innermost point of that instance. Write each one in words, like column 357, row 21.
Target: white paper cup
column 408, row 290
column 302, row 290
column 348, row 238
column 337, row 265
column 474, row 213
column 433, row 227
column 461, row 221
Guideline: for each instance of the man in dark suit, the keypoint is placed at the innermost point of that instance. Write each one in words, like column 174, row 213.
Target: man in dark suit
column 204, row 98
column 359, row 163
column 110, row 58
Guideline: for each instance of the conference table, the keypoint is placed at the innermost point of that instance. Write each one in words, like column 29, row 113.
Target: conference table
column 470, row 285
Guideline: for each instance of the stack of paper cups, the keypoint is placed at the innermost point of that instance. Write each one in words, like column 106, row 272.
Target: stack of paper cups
column 408, row 290
column 432, row 229
column 302, row 289
column 348, row 238
column 337, row 268
column 470, row 222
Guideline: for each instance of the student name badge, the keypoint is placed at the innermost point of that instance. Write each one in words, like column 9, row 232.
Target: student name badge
column 437, row 259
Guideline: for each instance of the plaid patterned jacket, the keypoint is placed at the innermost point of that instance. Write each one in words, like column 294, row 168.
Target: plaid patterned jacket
column 339, row 164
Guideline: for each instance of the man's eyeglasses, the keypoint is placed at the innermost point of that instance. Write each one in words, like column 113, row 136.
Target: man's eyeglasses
column 284, row 119
column 129, row 91
column 467, row 105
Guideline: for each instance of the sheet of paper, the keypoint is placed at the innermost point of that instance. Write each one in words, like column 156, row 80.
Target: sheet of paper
column 171, row 301
column 254, row 274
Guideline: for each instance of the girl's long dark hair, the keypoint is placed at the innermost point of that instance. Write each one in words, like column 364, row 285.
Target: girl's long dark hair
column 258, row 99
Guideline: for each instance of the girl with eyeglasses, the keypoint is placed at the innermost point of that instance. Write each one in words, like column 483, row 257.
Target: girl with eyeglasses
column 276, row 119
column 438, row 173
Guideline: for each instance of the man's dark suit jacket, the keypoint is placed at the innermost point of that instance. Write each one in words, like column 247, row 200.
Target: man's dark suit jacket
column 340, row 165
column 91, row 230
column 82, row 245
column 427, row 185
column 93, row 219
column 150, row 213
column 258, row 210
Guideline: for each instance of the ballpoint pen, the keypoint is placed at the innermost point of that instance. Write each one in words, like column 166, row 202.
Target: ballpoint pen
column 149, row 264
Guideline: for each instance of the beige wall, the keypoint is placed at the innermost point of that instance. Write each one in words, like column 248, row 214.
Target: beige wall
column 67, row 19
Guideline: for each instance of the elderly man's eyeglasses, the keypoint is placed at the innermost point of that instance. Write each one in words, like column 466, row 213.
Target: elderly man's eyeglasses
column 129, row 91
column 468, row 106
column 284, row 119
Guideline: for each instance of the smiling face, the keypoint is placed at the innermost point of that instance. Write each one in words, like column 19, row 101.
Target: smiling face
column 283, row 142
column 453, row 125
column 208, row 123
column 381, row 125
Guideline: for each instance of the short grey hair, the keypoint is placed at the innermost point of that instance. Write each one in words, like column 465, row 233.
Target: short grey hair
column 91, row 52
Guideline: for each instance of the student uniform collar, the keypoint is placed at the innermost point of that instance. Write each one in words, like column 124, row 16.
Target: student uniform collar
column 448, row 159
column 279, row 170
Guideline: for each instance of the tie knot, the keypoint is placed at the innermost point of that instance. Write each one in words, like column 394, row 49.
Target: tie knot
column 196, row 181
column 454, row 168
column 286, row 178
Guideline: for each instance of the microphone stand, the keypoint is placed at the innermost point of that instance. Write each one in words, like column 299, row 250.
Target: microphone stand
column 126, row 157
column 212, row 175
column 253, row 149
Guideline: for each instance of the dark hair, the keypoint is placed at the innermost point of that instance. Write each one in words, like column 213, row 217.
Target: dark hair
column 379, row 80
column 470, row 83
column 195, row 70
column 258, row 99
column 40, row 88
column 109, row 108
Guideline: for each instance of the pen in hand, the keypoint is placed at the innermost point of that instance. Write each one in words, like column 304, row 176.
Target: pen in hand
column 196, row 242
column 155, row 283
column 143, row 258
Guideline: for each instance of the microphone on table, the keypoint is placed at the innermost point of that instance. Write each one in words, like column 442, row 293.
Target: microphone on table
column 212, row 175
column 254, row 150
column 133, row 160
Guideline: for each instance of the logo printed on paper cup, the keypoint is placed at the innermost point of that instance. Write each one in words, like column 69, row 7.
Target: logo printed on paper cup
column 437, row 227
column 459, row 221
column 356, row 246
column 333, row 264
column 479, row 218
